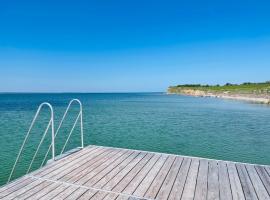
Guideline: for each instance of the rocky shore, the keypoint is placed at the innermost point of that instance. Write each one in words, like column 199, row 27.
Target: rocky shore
column 254, row 98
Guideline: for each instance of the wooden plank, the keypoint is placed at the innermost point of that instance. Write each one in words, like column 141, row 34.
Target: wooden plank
column 246, row 183
column 257, row 183
column 190, row 185
column 267, row 169
column 148, row 179
column 180, row 180
column 24, row 189
column 224, row 182
column 264, row 177
column 63, row 161
column 122, row 184
column 135, row 198
column 13, row 183
column 58, row 173
column 15, row 186
column 114, row 172
column 34, row 190
column 76, row 194
column 118, row 177
column 213, row 183
column 157, row 182
column 236, row 187
column 54, row 192
column 50, row 168
column 89, row 171
column 141, row 175
column 201, row 187
column 40, row 190
column 122, row 197
column 167, row 185
column 111, row 196
column 87, row 167
column 88, row 194
column 99, row 195
column 64, row 194
column 33, row 187
column 96, row 175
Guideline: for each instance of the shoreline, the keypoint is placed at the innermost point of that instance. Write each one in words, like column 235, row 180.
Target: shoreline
column 237, row 97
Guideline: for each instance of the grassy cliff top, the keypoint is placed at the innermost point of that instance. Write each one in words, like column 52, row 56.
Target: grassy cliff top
column 247, row 88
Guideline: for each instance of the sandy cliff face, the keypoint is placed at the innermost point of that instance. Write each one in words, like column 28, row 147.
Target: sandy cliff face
column 264, row 99
column 193, row 92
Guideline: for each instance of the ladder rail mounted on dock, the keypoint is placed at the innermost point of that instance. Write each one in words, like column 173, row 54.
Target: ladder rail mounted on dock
column 53, row 134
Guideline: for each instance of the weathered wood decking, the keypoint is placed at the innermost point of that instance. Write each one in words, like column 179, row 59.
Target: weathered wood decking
column 112, row 173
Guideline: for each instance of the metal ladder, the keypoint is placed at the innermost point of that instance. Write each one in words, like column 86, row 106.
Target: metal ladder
column 53, row 134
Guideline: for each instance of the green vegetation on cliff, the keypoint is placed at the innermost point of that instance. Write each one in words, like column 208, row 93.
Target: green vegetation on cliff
column 259, row 89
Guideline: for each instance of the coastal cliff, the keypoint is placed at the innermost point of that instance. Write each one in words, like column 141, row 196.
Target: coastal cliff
column 252, row 92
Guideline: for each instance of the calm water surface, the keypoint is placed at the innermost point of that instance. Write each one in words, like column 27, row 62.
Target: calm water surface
column 204, row 127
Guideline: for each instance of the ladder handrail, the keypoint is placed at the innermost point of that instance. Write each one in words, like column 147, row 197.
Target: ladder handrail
column 51, row 122
column 41, row 141
column 60, row 125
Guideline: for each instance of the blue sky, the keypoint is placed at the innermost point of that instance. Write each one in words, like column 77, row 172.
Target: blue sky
column 130, row 46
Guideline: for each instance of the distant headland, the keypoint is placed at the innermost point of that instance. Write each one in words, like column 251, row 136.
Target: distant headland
column 252, row 92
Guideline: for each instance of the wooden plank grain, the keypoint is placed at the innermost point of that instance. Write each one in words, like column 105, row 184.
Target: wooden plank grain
column 267, row 168
column 65, row 193
column 99, row 195
column 88, row 194
column 157, row 182
column 167, row 185
column 111, row 196
column 131, row 187
column 15, row 186
column 236, row 187
column 68, row 168
column 24, row 189
column 14, row 183
column 224, row 182
column 97, row 168
column 86, row 167
column 257, row 183
column 201, row 187
column 122, row 184
column 180, row 180
column 32, row 189
column 94, row 177
column 76, row 194
column 190, row 185
column 41, row 191
column 118, row 177
column 54, row 192
column 63, row 161
column 148, row 179
column 213, row 183
column 264, row 177
column 123, row 197
column 248, row 188
column 104, row 180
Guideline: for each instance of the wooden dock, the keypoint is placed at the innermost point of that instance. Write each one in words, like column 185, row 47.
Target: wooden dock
column 106, row 173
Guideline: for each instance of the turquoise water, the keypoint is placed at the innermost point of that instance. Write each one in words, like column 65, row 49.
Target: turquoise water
column 204, row 127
